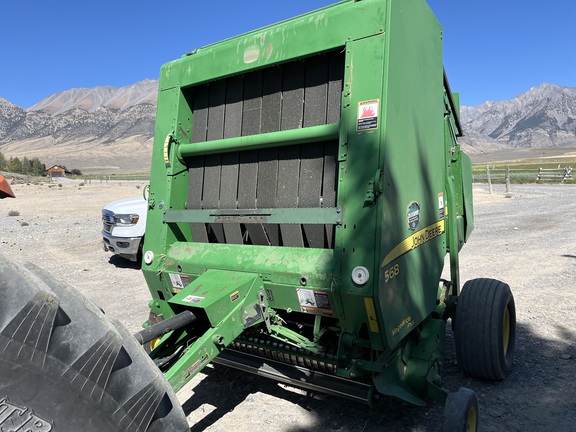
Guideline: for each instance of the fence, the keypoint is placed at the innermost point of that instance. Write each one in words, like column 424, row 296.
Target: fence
column 118, row 177
column 502, row 174
column 554, row 174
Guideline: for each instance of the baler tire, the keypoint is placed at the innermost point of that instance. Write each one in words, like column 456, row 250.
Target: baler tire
column 461, row 411
column 67, row 367
column 485, row 329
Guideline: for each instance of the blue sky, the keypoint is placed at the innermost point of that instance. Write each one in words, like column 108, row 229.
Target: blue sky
column 494, row 50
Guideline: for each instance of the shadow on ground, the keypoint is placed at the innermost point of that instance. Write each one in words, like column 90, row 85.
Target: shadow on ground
column 537, row 396
column 120, row 262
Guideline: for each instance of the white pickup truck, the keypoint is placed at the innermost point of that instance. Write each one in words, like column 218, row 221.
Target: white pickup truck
column 124, row 224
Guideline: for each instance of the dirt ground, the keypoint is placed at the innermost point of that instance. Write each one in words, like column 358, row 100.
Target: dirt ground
column 527, row 240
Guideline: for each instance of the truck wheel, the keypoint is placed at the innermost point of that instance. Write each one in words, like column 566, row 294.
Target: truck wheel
column 66, row 367
column 485, row 329
column 461, row 411
column 139, row 254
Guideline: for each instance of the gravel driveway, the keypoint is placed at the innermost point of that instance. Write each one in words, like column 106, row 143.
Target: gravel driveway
column 527, row 240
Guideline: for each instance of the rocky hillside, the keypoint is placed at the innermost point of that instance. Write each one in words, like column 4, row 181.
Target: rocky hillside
column 544, row 116
column 115, row 125
column 91, row 100
column 98, row 129
column 105, row 114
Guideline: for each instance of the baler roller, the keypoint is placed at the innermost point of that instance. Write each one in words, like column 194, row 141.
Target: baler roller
column 268, row 347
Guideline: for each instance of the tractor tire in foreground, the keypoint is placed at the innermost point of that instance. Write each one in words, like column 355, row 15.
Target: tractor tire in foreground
column 485, row 329
column 66, row 367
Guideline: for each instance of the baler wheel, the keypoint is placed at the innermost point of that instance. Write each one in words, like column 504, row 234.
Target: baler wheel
column 67, row 367
column 485, row 329
column 461, row 411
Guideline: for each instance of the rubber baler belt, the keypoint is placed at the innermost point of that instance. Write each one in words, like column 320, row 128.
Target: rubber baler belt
column 289, row 177
column 297, row 94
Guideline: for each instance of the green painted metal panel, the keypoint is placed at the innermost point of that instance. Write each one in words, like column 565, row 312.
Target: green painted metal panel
column 348, row 20
column 282, row 265
column 414, row 166
column 289, row 274
column 217, row 292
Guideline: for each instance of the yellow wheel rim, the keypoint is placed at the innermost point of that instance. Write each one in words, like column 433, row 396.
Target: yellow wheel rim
column 506, row 331
column 154, row 343
column 472, row 420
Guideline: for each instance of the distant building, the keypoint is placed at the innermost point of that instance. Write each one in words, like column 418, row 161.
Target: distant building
column 56, row 171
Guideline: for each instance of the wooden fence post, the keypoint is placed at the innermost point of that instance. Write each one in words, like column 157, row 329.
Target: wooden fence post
column 489, row 179
column 507, row 178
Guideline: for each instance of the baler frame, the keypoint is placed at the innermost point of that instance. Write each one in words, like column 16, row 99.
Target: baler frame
column 342, row 119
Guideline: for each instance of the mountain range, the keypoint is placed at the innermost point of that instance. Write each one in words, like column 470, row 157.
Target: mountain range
column 100, row 129
column 110, row 129
column 544, row 116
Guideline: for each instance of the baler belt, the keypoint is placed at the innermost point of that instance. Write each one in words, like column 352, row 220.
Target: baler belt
column 299, row 94
column 290, row 177
column 287, row 192
column 329, row 186
column 229, row 193
column 247, row 185
column 265, row 195
column 196, row 182
column 211, row 192
column 310, row 186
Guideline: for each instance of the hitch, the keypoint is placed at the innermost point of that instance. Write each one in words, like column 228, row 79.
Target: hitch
column 228, row 303
column 160, row 329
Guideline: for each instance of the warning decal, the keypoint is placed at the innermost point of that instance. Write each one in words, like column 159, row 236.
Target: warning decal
column 368, row 115
column 314, row 301
column 179, row 281
column 441, row 205
column 192, row 299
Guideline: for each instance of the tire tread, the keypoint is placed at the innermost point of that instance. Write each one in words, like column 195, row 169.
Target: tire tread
column 479, row 328
column 49, row 328
column 33, row 324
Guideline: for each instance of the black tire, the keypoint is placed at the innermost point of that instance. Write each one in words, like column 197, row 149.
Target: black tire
column 461, row 412
column 485, row 329
column 66, row 367
column 140, row 252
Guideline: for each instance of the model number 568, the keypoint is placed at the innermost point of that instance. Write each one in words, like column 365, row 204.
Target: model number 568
column 391, row 273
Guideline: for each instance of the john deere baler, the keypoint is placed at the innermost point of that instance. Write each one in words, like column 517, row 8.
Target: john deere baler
column 306, row 188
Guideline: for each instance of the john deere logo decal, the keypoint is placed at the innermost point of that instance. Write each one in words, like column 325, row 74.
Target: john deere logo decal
column 413, row 215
